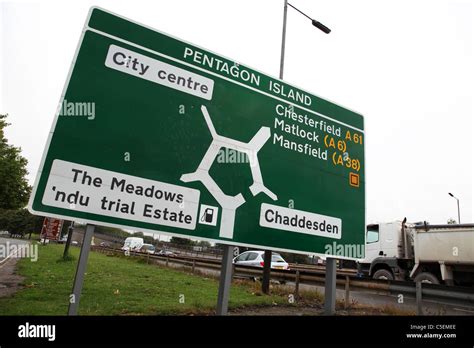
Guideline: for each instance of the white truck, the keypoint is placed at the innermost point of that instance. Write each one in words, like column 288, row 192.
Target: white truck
column 419, row 252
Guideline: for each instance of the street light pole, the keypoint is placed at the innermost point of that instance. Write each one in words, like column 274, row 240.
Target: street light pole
column 459, row 212
column 317, row 24
column 283, row 38
column 267, row 258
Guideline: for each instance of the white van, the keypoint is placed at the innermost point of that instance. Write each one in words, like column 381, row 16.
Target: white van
column 133, row 244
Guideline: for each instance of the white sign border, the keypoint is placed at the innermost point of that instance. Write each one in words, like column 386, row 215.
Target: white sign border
column 96, row 222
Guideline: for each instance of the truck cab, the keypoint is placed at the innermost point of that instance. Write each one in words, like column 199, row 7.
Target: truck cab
column 384, row 252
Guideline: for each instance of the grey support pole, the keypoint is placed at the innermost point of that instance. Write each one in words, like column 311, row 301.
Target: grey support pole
column 268, row 254
column 80, row 270
column 225, row 281
column 419, row 306
column 347, row 293
column 70, row 231
column 330, row 287
column 267, row 265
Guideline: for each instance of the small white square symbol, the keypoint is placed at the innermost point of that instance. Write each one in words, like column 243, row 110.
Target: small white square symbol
column 208, row 215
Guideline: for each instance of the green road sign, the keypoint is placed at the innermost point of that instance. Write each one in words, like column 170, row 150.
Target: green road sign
column 156, row 134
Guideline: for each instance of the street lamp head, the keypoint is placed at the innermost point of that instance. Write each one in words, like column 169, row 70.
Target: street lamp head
column 321, row 26
column 317, row 24
column 449, row 193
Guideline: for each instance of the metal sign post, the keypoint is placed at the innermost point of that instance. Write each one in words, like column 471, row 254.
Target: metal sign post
column 70, row 231
column 419, row 306
column 225, row 281
column 330, row 287
column 267, row 263
column 80, row 270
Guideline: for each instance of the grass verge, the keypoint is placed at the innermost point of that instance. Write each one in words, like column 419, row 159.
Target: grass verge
column 118, row 286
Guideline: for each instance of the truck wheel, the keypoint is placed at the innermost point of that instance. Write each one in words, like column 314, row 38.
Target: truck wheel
column 426, row 277
column 383, row 274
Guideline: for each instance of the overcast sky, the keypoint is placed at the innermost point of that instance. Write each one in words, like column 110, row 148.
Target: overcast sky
column 407, row 66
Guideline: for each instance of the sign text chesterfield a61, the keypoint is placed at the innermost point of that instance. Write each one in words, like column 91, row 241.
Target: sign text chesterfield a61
column 156, row 134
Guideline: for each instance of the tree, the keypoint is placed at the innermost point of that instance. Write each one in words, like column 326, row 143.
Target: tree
column 451, row 221
column 295, row 258
column 204, row 243
column 181, row 241
column 109, row 231
column 20, row 221
column 14, row 188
